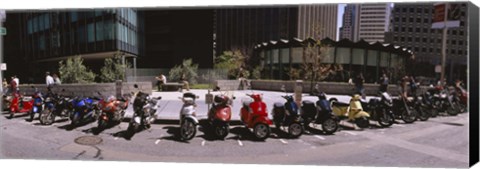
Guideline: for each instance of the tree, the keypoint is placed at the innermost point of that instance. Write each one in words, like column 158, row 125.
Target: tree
column 187, row 69
column 257, row 73
column 73, row 71
column 233, row 62
column 113, row 69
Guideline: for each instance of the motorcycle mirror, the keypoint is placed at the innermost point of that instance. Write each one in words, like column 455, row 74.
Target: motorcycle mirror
column 233, row 97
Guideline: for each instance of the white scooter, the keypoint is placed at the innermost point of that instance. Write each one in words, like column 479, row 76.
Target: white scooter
column 188, row 121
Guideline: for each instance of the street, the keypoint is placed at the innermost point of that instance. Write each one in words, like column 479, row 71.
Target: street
column 438, row 142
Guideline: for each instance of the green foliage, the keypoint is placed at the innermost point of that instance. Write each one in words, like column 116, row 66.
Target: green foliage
column 313, row 67
column 232, row 61
column 257, row 73
column 73, row 71
column 113, row 69
column 186, row 70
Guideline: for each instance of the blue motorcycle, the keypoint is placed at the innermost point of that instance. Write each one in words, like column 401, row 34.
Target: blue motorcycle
column 55, row 105
column 37, row 104
column 288, row 115
column 84, row 110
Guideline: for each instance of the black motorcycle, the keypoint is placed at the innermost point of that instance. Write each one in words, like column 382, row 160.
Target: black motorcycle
column 144, row 108
column 319, row 113
column 404, row 108
column 381, row 109
column 423, row 110
column 444, row 101
column 55, row 106
column 288, row 115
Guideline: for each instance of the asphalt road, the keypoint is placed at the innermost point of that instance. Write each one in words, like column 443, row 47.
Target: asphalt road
column 438, row 142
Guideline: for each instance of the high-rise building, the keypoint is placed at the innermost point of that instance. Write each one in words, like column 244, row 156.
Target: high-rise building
column 372, row 22
column 348, row 24
column 242, row 28
column 411, row 27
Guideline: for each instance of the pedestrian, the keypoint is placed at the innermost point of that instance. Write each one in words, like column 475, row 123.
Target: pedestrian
column 403, row 86
column 184, row 80
column 358, row 81
column 56, row 79
column 384, row 83
column 413, row 86
column 49, row 79
column 161, row 80
column 13, row 85
column 5, row 86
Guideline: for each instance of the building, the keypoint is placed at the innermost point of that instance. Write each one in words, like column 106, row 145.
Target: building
column 348, row 22
column 242, row 28
column 371, row 59
column 411, row 27
column 153, row 38
column 372, row 22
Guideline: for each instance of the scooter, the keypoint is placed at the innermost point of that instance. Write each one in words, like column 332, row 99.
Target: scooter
column 55, row 105
column 287, row 115
column 20, row 104
column 37, row 104
column 112, row 111
column 319, row 113
column 381, row 109
column 219, row 115
column 144, row 108
column 254, row 115
column 352, row 111
column 188, row 120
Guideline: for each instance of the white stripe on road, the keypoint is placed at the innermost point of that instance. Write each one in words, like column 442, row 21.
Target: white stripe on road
column 240, row 143
column 320, row 137
column 116, row 138
column 351, row 133
column 203, row 143
column 283, row 141
column 399, row 125
column 158, row 141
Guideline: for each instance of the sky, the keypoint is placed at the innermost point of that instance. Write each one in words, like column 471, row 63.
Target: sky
column 341, row 8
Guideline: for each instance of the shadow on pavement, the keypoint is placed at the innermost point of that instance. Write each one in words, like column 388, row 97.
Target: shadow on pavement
column 243, row 133
column 173, row 131
column 69, row 127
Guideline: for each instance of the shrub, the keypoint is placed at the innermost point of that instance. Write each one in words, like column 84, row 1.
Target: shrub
column 73, row 71
column 186, row 69
column 113, row 69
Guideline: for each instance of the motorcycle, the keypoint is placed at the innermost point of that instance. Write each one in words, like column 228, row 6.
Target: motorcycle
column 428, row 102
column 55, row 105
column 352, row 111
column 188, row 120
column 287, row 114
column 144, row 108
column 254, row 115
column 37, row 104
column 404, row 108
column 423, row 113
column 20, row 104
column 84, row 110
column 219, row 115
column 112, row 111
column 381, row 109
column 319, row 113
column 444, row 101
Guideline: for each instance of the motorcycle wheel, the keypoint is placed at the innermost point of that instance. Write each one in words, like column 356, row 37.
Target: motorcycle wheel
column 101, row 124
column 261, row 131
column 221, row 131
column 75, row 120
column 409, row 118
column 295, row 129
column 433, row 112
column 47, row 117
column 329, row 126
column 423, row 114
column 32, row 115
column 452, row 110
column 362, row 122
column 188, row 130
column 385, row 119
column 132, row 128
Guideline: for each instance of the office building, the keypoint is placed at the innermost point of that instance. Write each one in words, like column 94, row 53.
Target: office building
column 365, row 21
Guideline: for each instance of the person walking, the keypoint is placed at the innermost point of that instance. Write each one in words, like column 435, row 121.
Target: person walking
column 161, row 80
column 13, row 85
column 5, row 86
column 384, row 83
column 359, row 80
column 49, row 79
column 56, row 79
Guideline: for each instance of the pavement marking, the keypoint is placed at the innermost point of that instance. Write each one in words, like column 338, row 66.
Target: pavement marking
column 115, row 138
column 158, row 141
column 399, row 125
column 351, row 133
column 240, row 143
column 320, row 137
column 283, row 141
column 203, row 143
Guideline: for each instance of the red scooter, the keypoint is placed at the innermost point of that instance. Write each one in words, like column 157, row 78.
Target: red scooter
column 254, row 115
column 219, row 115
column 20, row 104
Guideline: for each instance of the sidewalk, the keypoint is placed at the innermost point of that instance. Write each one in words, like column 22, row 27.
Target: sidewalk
column 170, row 104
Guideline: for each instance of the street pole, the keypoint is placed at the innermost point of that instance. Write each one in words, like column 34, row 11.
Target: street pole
column 444, row 46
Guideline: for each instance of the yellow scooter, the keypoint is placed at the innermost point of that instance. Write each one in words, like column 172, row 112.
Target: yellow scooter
column 352, row 111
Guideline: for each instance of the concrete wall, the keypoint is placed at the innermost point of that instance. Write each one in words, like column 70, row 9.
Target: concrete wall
column 106, row 89
column 327, row 87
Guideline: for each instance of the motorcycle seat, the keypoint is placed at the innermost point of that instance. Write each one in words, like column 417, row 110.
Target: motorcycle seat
column 27, row 99
column 340, row 104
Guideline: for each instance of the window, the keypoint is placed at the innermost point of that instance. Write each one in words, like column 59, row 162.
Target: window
column 426, row 21
column 460, row 42
column 99, row 31
column 454, row 32
column 29, row 26
column 395, row 29
column 42, row 42
column 91, row 32
column 410, row 19
column 425, row 30
column 419, row 20
column 417, row 30
column 404, row 19
column 402, row 39
column 454, row 42
column 73, row 16
column 453, row 51
column 98, row 12
column 417, row 39
column 424, row 49
column 460, row 52
column 412, row 10
column 109, row 31
column 404, row 10
column 403, row 29
column 426, row 11
column 47, row 21
column 431, row 40
column 41, row 27
column 409, row 39
column 416, row 49
column 430, row 50
column 460, row 33
column 439, row 40
column 410, row 29
column 395, row 38
column 438, row 50
column 81, row 34
column 419, row 10
column 424, row 40
column 397, row 19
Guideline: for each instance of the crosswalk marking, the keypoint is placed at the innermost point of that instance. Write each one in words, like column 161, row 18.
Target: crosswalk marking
column 158, row 141
column 240, row 143
column 320, row 137
column 283, row 141
column 203, row 143
column 351, row 133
